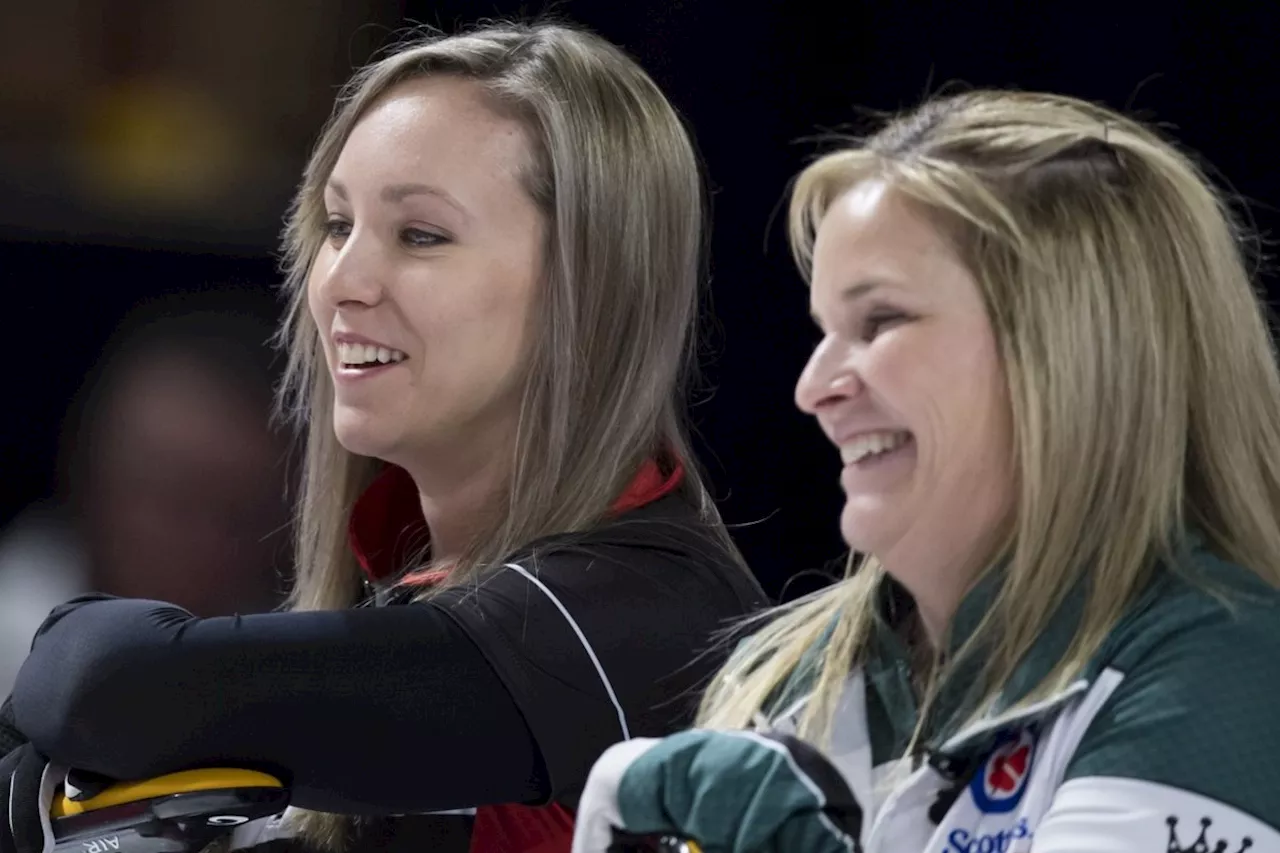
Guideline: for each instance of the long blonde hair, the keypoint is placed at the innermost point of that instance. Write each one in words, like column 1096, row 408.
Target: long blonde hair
column 618, row 180
column 1141, row 376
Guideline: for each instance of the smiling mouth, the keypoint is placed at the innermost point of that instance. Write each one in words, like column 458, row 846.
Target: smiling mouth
column 365, row 356
column 873, row 446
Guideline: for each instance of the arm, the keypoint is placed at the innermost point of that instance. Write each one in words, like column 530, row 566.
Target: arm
column 610, row 642
column 1188, row 736
column 380, row 710
column 10, row 736
column 501, row 691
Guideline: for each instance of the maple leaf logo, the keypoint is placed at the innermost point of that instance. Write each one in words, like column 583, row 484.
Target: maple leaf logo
column 1007, row 769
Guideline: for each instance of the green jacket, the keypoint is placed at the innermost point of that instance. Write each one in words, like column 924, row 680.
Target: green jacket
column 1169, row 741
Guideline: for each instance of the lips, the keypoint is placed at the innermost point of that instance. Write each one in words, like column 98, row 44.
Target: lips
column 352, row 354
column 870, row 444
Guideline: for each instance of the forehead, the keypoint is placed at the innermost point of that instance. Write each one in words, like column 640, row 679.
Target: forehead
column 873, row 234
column 442, row 125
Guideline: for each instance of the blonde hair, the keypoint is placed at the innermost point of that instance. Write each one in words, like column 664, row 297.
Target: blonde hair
column 617, row 177
column 1142, row 381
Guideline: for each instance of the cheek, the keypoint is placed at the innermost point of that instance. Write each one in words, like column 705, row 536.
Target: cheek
column 985, row 390
column 913, row 374
column 321, row 312
column 487, row 316
column 509, row 302
column 475, row 327
column 970, row 415
column 948, row 390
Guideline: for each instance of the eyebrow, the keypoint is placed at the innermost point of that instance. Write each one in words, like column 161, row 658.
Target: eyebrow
column 859, row 290
column 397, row 193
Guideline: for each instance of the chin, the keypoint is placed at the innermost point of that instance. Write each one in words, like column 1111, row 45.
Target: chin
column 868, row 531
column 362, row 435
column 361, row 445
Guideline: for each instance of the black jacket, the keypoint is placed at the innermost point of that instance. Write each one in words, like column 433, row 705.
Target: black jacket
column 503, row 691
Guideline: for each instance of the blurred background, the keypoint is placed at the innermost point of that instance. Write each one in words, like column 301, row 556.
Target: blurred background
column 149, row 149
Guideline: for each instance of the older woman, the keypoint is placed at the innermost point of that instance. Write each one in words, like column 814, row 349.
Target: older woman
column 1057, row 409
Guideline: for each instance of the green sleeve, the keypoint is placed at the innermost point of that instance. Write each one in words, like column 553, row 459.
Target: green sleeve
column 1198, row 709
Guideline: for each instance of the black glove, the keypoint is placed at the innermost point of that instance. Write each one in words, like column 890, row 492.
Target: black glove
column 27, row 785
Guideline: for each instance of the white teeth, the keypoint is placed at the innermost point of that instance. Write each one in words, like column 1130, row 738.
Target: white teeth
column 357, row 354
column 869, row 444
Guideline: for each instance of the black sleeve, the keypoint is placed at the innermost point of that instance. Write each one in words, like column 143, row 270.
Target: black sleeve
column 605, row 643
column 10, row 737
column 370, row 711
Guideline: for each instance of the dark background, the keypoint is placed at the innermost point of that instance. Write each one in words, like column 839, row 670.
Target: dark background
column 754, row 80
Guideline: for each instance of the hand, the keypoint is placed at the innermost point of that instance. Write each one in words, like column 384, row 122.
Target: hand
column 82, row 785
column 28, row 782
column 730, row 792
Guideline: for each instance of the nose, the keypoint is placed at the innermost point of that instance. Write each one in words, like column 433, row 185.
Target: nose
column 829, row 378
column 351, row 273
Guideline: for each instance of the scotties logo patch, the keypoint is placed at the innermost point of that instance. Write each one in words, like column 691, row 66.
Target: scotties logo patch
column 998, row 786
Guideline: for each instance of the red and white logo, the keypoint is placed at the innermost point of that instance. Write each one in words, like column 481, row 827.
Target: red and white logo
column 999, row 785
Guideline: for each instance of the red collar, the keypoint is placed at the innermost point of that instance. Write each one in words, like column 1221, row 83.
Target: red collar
column 386, row 527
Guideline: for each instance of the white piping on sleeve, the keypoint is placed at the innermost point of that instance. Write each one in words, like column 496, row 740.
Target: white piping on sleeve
column 591, row 653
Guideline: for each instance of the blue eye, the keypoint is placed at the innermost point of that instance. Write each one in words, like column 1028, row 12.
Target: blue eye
column 879, row 321
column 416, row 238
column 337, row 229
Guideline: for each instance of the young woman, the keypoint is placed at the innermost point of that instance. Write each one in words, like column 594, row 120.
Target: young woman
column 1057, row 406
column 494, row 261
